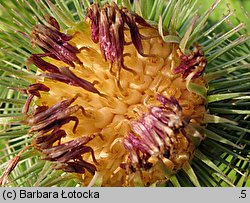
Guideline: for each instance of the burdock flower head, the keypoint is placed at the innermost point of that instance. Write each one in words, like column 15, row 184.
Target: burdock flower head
column 117, row 100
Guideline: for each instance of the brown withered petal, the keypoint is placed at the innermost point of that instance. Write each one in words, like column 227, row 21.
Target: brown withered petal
column 134, row 32
column 59, row 117
column 47, row 112
column 77, row 81
column 54, row 34
column 55, row 49
column 52, row 21
column 67, row 156
column 55, row 43
column 75, row 166
column 40, row 109
column 56, row 125
column 54, row 117
column 69, row 150
column 108, row 28
column 117, row 30
column 67, row 76
column 194, row 62
column 140, row 20
column 41, row 64
column 33, row 90
column 26, row 106
column 47, row 141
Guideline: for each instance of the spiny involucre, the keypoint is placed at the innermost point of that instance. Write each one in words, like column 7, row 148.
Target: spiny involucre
column 112, row 100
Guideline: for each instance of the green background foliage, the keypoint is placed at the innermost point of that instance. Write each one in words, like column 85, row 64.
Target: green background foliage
column 241, row 7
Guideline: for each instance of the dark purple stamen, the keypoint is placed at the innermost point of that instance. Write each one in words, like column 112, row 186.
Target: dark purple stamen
column 64, row 74
column 94, row 16
column 193, row 62
column 47, row 141
column 67, row 76
column 52, row 21
column 68, row 157
column 55, row 43
column 107, row 24
column 56, row 115
column 41, row 64
column 46, row 123
column 153, row 135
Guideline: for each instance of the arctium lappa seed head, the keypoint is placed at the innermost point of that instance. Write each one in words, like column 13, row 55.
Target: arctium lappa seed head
column 112, row 102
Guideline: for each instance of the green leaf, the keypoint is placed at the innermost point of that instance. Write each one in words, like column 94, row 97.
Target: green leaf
column 214, row 136
column 229, row 111
column 208, row 118
column 209, row 163
column 174, row 181
column 185, row 39
column 198, row 89
column 191, row 174
column 220, row 97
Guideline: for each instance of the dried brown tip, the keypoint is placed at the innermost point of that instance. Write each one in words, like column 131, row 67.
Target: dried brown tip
column 33, row 90
column 11, row 166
